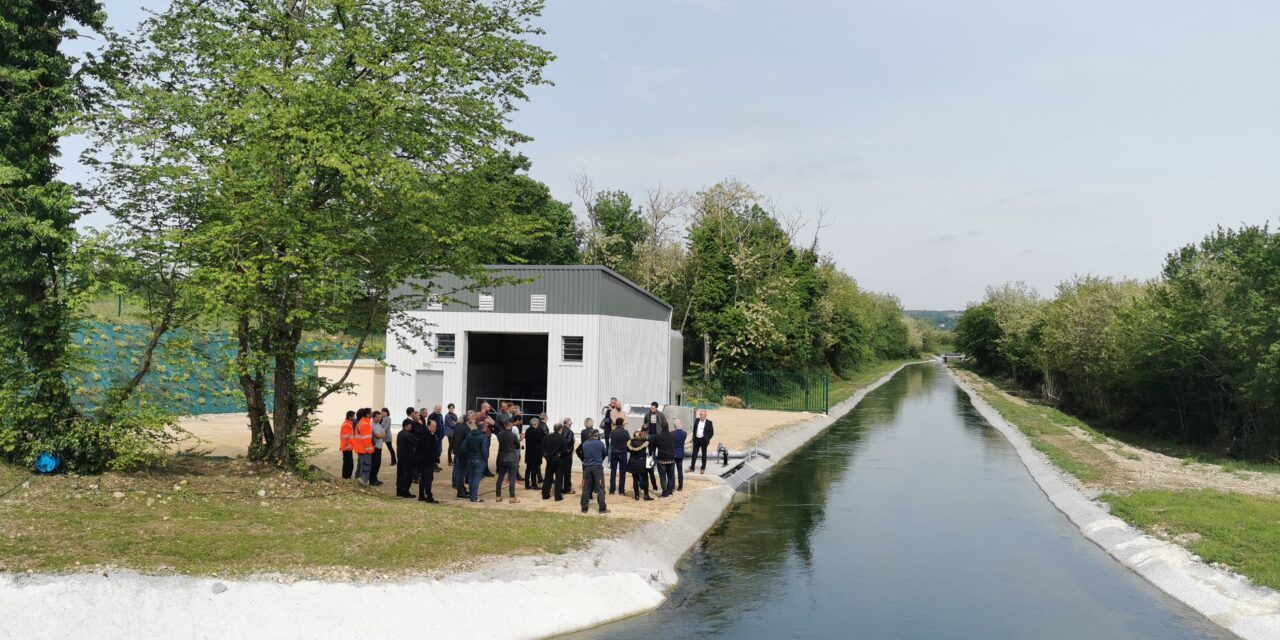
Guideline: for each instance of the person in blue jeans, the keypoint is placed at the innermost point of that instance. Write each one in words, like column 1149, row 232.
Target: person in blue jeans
column 679, row 435
column 618, row 438
column 473, row 448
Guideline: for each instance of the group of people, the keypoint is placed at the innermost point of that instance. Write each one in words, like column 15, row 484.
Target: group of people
column 653, row 455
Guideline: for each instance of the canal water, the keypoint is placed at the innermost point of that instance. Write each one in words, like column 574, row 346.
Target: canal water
column 910, row 518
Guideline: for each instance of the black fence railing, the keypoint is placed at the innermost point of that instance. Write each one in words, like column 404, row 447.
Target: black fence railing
column 778, row 390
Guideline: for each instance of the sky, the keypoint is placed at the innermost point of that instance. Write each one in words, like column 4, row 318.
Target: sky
column 951, row 145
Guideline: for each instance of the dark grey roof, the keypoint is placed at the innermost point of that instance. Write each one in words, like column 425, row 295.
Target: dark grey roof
column 570, row 289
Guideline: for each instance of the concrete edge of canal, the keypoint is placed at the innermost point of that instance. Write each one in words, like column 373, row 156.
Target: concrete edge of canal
column 1229, row 600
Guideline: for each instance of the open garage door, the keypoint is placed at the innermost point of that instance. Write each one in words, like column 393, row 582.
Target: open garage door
column 507, row 366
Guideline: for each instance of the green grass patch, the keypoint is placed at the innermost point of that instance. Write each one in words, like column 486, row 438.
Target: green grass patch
column 1240, row 531
column 843, row 388
column 1047, row 429
column 214, row 522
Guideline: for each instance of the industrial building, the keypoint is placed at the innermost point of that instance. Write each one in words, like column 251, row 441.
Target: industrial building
column 560, row 340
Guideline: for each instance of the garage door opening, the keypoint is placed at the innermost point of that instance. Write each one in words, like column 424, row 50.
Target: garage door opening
column 508, row 366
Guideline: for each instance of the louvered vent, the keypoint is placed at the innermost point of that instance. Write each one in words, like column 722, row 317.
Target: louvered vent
column 538, row 303
column 486, row 302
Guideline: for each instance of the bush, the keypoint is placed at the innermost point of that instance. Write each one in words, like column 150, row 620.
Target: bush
column 733, row 402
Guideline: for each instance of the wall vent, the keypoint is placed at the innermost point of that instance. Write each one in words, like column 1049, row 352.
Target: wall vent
column 538, row 303
column 486, row 302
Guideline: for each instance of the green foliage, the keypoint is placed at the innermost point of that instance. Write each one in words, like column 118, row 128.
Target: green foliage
column 552, row 234
column 616, row 230
column 138, row 436
column 308, row 160
column 1193, row 356
column 37, row 99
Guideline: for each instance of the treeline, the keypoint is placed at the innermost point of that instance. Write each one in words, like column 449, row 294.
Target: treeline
column 1192, row 356
column 747, row 294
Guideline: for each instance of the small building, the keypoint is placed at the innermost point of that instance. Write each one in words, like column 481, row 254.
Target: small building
column 562, row 341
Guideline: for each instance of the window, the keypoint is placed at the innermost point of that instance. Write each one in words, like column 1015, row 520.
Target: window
column 434, row 304
column 571, row 348
column 446, row 345
column 486, row 302
column 538, row 303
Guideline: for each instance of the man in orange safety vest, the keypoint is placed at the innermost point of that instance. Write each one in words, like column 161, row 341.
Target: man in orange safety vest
column 344, row 444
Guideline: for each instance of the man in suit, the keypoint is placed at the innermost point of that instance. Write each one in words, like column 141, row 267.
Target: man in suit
column 552, row 446
column 428, row 461
column 703, row 431
column 565, row 473
column 438, row 418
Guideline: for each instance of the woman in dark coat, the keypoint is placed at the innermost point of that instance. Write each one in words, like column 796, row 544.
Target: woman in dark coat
column 666, row 455
column 638, row 446
column 533, row 454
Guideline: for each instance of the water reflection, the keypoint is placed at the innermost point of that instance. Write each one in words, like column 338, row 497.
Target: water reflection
column 909, row 518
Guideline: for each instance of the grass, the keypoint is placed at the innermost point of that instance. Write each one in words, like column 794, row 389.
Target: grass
column 206, row 517
column 1047, row 429
column 843, row 388
column 1236, row 530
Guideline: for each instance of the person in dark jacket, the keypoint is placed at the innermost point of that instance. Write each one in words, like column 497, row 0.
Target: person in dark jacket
column 460, row 476
column 407, row 440
column 450, row 421
column 652, row 472
column 703, row 432
column 532, row 438
column 439, row 418
column 593, row 472
column 618, row 456
column 679, row 436
column 473, row 451
column 508, row 460
column 637, row 447
column 428, row 461
column 565, row 473
column 553, row 448
column 666, row 459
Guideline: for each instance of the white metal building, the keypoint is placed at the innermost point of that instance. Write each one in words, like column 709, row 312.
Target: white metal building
column 562, row 343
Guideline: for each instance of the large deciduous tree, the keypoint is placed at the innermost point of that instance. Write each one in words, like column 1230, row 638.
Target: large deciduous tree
column 36, row 213
column 312, row 156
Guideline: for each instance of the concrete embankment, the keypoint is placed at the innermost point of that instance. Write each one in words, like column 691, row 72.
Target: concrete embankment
column 1251, row 612
column 526, row 597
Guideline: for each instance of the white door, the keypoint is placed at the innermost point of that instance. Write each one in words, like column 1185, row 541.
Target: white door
column 428, row 388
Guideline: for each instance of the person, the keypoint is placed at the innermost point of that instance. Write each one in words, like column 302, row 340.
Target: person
column 618, row 456
column 428, row 461
column 460, row 475
column 473, row 450
column 654, row 420
column 486, row 420
column 386, row 426
column 508, row 460
column 532, row 438
column 593, row 472
column 344, row 444
column 552, row 449
column 588, row 426
column 703, row 431
column 450, row 421
column 565, row 474
column 362, row 443
column 637, row 447
column 381, row 433
column 651, row 470
column 666, row 457
column 408, row 442
column 610, row 419
column 678, row 437
column 439, row 418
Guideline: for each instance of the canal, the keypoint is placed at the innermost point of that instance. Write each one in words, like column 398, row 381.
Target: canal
column 910, row 518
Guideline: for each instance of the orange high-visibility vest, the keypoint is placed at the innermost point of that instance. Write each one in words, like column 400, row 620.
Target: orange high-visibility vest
column 362, row 439
column 344, row 436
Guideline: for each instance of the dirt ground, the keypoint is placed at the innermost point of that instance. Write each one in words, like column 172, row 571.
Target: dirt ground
column 228, row 435
column 1140, row 469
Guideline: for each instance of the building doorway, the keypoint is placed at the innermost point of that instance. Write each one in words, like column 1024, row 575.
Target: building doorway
column 507, row 366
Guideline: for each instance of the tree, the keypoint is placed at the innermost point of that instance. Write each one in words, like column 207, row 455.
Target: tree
column 615, row 229
column 553, row 236
column 312, row 158
column 36, row 212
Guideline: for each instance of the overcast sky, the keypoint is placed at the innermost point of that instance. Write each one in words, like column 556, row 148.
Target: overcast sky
column 952, row 144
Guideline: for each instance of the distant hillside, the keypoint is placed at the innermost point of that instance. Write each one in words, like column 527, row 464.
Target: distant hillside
column 941, row 319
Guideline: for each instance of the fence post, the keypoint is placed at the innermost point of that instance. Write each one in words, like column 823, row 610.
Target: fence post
column 826, row 393
column 746, row 390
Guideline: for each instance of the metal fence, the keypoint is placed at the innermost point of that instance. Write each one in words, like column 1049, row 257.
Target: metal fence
column 779, row 390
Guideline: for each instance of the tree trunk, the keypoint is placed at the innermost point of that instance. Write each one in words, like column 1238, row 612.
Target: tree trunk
column 254, row 388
